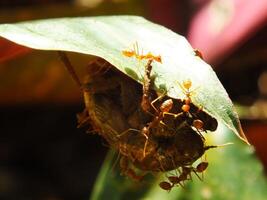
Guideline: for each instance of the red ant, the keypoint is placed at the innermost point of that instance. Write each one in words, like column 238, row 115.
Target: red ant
column 165, row 107
column 186, row 175
column 198, row 53
column 135, row 53
column 185, row 86
column 145, row 103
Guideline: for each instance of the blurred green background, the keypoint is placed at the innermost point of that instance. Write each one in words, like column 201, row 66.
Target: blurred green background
column 43, row 155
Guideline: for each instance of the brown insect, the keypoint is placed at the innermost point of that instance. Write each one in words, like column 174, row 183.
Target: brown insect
column 198, row 53
column 146, row 97
column 164, row 107
column 184, row 176
column 146, row 102
column 163, row 154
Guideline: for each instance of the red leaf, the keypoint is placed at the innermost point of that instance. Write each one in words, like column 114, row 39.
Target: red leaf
column 10, row 50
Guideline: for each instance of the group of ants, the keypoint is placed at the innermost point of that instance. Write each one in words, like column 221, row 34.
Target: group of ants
column 165, row 108
column 159, row 114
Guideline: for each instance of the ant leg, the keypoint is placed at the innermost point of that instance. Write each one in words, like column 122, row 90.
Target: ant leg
column 128, row 130
column 104, row 66
column 161, row 166
column 145, row 103
column 83, row 119
column 137, row 56
column 203, row 166
column 182, row 88
column 195, row 172
column 199, row 133
column 145, row 132
column 216, row 146
column 172, row 114
column 155, row 100
column 115, row 162
column 137, row 50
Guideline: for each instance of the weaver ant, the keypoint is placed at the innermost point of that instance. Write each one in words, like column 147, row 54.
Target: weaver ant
column 165, row 107
column 185, row 175
column 135, row 53
column 185, row 86
column 146, row 102
column 198, row 53
column 175, row 180
column 146, row 98
column 104, row 108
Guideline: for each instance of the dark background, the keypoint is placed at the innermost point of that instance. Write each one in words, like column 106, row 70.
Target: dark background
column 42, row 153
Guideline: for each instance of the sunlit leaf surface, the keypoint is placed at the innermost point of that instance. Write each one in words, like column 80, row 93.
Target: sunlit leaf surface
column 106, row 37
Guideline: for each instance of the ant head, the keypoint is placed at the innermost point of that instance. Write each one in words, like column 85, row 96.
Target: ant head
column 187, row 84
column 128, row 53
column 165, row 185
column 198, row 124
column 158, row 59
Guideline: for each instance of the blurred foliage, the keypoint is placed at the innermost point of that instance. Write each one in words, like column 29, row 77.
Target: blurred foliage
column 36, row 78
column 233, row 173
column 69, row 9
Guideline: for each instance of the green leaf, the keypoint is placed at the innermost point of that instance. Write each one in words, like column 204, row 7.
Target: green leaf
column 107, row 36
column 234, row 172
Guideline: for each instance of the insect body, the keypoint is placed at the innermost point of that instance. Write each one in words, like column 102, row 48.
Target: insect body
column 141, row 56
column 198, row 53
column 185, row 86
